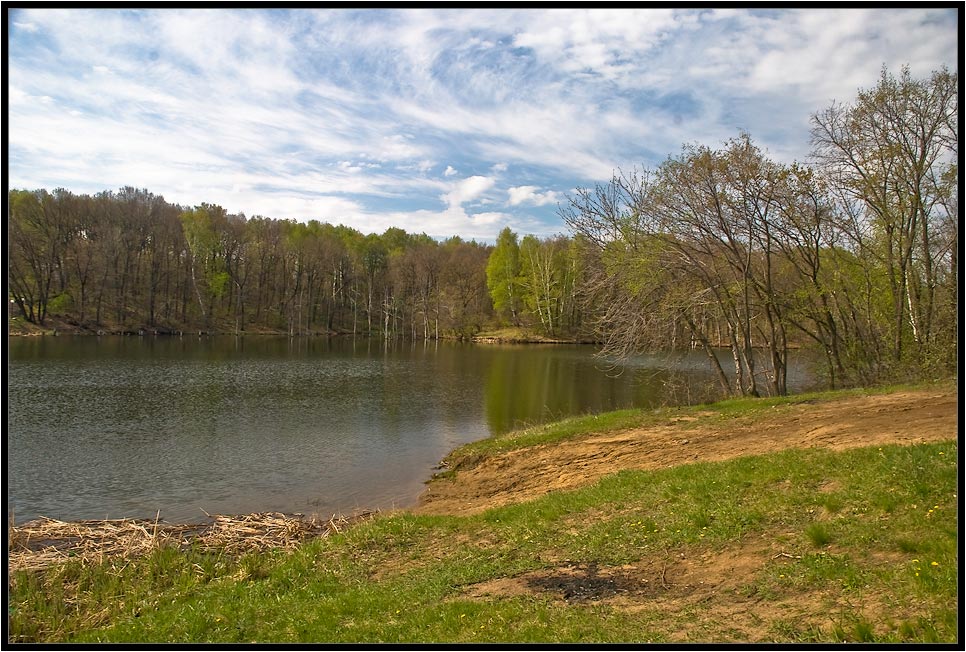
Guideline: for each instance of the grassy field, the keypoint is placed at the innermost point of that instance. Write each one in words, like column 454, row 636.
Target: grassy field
column 797, row 546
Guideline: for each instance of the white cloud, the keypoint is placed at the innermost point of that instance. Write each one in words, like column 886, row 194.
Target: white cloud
column 398, row 147
column 830, row 54
column 305, row 113
column 564, row 137
column 467, row 190
column 529, row 195
column 598, row 41
column 302, row 207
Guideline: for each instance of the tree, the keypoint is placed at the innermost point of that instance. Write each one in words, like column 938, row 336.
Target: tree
column 237, row 239
column 632, row 281
column 374, row 259
column 129, row 260
column 206, row 262
column 547, row 274
column 503, row 276
column 81, row 255
column 695, row 247
column 890, row 158
column 464, row 297
column 714, row 210
column 33, row 259
column 806, row 232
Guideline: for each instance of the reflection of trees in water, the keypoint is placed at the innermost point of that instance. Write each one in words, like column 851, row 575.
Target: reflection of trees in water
column 516, row 388
column 687, row 378
column 665, row 379
column 679, row 387
column 528, row 386
column 532, row 385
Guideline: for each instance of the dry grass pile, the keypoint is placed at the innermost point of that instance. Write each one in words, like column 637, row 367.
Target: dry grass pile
column 40, row 543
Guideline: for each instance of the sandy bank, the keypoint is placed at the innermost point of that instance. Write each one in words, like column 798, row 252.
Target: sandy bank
column 904, row 417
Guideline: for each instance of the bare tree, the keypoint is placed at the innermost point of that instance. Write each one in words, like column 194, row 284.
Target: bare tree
column 891, row 157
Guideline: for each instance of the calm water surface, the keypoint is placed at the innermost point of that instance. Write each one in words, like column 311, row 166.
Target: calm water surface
column 117, row 427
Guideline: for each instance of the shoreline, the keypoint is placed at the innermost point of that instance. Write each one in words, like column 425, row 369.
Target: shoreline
column 42, row 542
column 574, row 453
column 525, row 465
column 17, row 327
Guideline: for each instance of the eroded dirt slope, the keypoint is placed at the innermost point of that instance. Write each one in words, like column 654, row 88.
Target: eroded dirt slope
column 905, row 417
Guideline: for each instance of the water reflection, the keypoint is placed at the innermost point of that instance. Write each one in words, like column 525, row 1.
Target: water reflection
column 125, row 426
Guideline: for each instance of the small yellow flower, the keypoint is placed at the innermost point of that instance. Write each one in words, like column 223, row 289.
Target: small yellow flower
column 935, row 563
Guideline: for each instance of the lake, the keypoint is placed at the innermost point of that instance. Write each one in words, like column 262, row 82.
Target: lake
column 122, row 427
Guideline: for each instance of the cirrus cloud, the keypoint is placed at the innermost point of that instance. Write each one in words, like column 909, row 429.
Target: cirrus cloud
column 444, row 121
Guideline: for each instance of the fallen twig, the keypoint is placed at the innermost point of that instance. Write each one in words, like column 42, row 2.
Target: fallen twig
column 667, row 556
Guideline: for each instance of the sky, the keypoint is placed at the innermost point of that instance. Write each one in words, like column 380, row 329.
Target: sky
column 438, row 121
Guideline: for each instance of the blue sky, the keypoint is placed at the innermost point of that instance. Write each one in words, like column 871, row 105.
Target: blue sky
column 438, row 121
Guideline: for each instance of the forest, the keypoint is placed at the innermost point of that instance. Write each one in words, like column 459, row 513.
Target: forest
column 853, row 254
column 128, row 260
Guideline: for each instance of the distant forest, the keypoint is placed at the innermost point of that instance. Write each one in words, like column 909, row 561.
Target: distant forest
column 129, row 260
column 854, row 255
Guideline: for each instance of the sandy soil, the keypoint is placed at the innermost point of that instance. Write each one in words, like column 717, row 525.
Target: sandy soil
column 699, row 592
column 905, row 417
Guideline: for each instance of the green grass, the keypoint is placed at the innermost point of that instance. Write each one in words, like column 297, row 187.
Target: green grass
column 727, row 410
column 885, row 570
column 818, row 534
column 469, row 454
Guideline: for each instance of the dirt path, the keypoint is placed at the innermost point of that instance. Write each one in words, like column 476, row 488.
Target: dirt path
column 905, row 417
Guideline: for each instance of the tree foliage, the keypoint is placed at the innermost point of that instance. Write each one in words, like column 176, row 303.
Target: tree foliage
column 728, row 248
column 890, row 157
column 715, row 249
column 130, row 261
column 503, row 276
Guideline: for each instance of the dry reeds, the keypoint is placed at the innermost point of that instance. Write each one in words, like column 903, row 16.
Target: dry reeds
column 40, row 543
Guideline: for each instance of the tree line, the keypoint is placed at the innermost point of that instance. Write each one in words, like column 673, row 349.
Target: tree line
column 129, row 260
column 857, row 253
column 854, row 255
